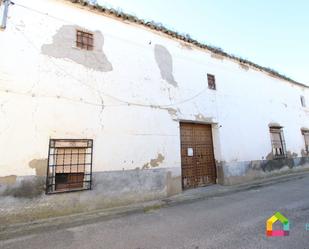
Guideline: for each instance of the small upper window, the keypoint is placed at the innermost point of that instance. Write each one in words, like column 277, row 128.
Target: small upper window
column 303, row 101
column 277, row 142
column 84, row 40
column 211, row 81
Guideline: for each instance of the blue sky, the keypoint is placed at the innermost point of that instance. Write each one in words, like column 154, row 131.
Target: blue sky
column 272, row 33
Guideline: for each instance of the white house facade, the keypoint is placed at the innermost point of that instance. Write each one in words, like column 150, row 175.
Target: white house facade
column 97, row 110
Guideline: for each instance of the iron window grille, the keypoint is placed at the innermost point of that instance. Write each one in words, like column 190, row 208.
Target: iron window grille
column 84, row 40
column 211, row 81
column 306, row 138
column 69, row 165
column 278, row 142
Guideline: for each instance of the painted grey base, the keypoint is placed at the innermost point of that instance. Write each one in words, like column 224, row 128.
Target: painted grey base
column 25, row 200
column 230, row 173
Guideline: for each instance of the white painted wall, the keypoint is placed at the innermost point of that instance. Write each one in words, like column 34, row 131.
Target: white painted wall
column 43, row 97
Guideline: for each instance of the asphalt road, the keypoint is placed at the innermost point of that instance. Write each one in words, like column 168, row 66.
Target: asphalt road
column 232, row 221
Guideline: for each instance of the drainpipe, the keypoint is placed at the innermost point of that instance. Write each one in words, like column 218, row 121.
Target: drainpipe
column 5, row 10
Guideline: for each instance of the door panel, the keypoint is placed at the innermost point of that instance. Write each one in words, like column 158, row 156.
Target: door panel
column 197, row 156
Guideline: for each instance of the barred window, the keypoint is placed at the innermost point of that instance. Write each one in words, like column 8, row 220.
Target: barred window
column 69, row 165
column 277, row 141
column 306, row 138
column 211, row 81
column 84, row 40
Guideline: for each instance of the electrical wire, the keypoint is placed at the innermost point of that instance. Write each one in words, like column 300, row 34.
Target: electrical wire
column 40, row 12
column 120, row 100
column 113, row 36
column 126, row 102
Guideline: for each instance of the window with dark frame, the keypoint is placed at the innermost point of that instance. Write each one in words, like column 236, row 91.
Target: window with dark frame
column 277, row 142
column 69, row 165
column 302, row 101
column 211, row 81
column 84, row 40
column 306, row 138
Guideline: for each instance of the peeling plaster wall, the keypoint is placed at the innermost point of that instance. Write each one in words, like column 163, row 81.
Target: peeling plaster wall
column 25, row 200
column 129, row 95
column 64, row 47
column 245, row 171
column 165, row 63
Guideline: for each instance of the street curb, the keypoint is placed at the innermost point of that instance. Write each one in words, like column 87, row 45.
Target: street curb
column 52, row 224
column 246, row 187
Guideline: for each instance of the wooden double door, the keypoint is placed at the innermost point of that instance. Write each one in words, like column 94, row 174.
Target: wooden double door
column 197, row 155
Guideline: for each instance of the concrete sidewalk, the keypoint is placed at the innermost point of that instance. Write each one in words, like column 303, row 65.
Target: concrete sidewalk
column 189, row 196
